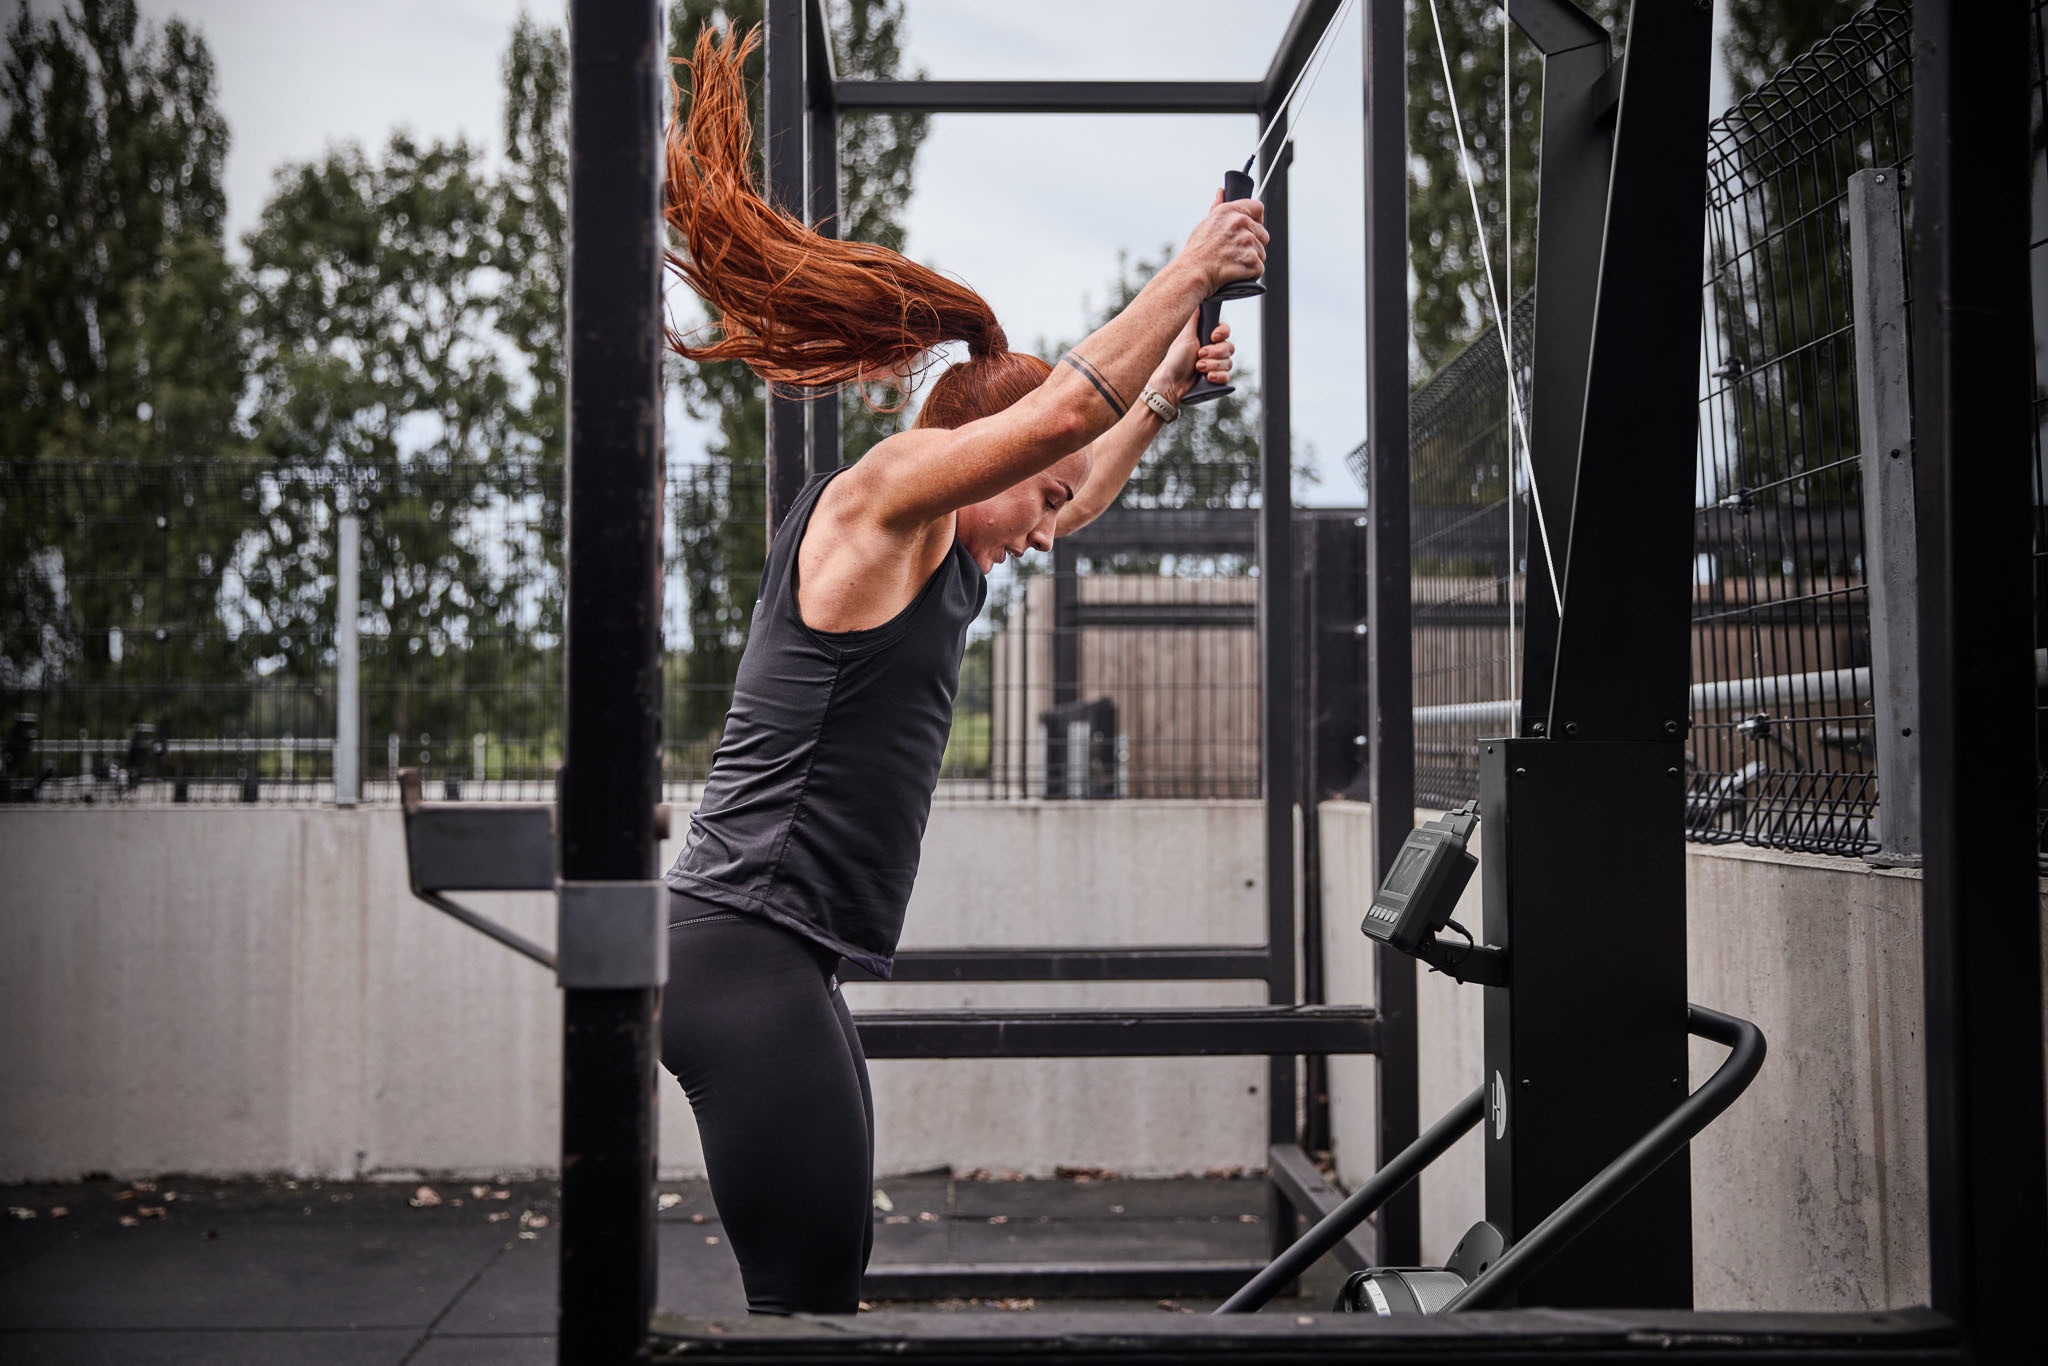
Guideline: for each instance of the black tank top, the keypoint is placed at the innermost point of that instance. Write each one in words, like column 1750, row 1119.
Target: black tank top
column 815, row 810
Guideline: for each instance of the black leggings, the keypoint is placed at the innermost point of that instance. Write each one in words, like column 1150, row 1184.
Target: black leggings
column 753, row 1026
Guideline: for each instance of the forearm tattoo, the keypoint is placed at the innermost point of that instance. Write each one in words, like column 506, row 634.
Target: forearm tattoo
column 1101, row 382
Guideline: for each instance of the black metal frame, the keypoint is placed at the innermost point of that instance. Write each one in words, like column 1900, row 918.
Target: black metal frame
column 804, row 102
column 1983, row 1005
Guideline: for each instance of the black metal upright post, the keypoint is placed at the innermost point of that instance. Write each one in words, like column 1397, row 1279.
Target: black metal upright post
column 823, row 179
column 1391, row 724
column 1588, row 1050
column 612, row 740
column 782, row 151
column 1276, row 651
column 1577, row 152
column 1971, row 342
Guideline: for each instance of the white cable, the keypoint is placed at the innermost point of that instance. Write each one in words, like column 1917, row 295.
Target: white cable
column 1499, row 318
column 1280, row 110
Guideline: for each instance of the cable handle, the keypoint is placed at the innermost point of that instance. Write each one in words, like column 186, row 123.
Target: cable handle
column 1236, row 185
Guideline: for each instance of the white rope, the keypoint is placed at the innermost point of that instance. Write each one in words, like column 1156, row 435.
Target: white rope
column 1280, row 110
column 1499, row 318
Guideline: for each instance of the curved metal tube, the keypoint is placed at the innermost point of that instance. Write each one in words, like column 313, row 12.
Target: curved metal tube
column 1614, row 1181
column 1379, row 1188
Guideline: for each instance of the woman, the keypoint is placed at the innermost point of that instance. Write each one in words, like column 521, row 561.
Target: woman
column 806, row 844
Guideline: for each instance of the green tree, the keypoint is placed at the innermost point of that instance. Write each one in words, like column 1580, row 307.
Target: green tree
column 379, row 380
column 1451, row 305
column 1764, row 36
column 119, row 371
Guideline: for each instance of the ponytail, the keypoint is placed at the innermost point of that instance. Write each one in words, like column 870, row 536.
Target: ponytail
column 805, row 312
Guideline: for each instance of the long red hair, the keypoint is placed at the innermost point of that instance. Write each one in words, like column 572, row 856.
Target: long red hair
column 807, row 313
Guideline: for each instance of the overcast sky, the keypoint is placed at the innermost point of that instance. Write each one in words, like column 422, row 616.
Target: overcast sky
column 1031, row 211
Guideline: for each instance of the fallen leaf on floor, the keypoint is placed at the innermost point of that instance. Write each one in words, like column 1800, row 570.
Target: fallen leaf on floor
column 1247, row 1218
column 124, row 1195
column 1017, row 1304
column 528, row 1234
column 130, row 1221
column 20, row 1212
column 1116, row 1209
column 529, row 1219
column 501, row 1195
column 152, row 1211
column 426, row 1197
column 999, row 1218
column 711, row 1240
column 882, row 1200
column 925, row 1216
column 59, row 1211
column 500, row 1217
column 151, row 1185
column 896, row 1219
column 170, row 1196
column 696, row 1218
column 667, row 1200
column 479, row 1192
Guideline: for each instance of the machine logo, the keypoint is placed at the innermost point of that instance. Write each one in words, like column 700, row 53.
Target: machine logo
column 1497, row 1105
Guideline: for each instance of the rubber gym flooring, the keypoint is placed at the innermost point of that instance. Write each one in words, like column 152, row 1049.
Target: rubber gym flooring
column 357, row 1273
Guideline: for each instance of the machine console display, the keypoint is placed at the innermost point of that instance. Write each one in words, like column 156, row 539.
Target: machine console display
column 1422, row 888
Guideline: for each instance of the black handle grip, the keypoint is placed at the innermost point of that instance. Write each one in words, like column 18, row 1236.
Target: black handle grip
column 1206, row 390
column 1236, row 185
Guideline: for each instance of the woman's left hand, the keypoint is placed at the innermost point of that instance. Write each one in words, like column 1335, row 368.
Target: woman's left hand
column 1177, row 373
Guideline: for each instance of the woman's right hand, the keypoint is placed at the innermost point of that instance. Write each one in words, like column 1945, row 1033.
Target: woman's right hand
column 1229, row 244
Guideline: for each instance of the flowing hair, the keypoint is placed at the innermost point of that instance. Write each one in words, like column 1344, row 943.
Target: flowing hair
column 810, row 314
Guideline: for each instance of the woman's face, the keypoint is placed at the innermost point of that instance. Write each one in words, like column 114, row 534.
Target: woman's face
column 1024, row 516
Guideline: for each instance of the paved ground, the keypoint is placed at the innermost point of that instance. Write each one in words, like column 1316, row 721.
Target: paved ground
column 359, row 1274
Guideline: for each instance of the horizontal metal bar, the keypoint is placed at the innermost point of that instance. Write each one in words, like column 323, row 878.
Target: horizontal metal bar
column 1163, row 964
column 1060, row 1280
column 1311, row 1194
column 1160, row 616
column 1047, row 97
column 281, row 745
column 1215, row 1031
column 1613, row 1337
column 1728, row 694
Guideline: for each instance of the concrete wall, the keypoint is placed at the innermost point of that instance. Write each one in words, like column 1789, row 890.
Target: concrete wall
column 239, row 990
column 253, row 989
column 1811, row 1193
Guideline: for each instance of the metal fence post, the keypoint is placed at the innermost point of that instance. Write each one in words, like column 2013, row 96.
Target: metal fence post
column 1884, row 415
column 348, row 662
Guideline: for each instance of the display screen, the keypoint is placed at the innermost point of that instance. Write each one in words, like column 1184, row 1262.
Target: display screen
column 1409, row 865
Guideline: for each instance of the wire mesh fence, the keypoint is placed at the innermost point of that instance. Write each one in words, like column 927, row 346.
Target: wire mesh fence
column 172, row 632
column 1465, row 559
column 1783, row 745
